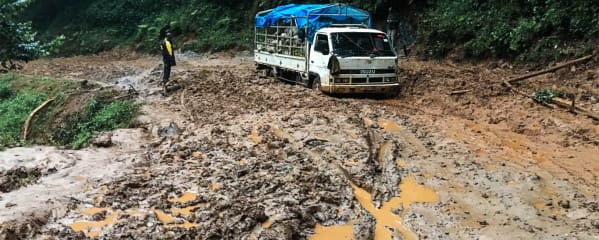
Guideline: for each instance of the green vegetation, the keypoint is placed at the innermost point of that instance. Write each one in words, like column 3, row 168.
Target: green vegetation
column 546, row 95
column 522, row 30
column 528, row 30
column 17, row 40
column 56, row 124
column 95, row 117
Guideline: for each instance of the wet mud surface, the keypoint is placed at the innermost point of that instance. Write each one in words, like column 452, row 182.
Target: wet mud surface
column 233, row 155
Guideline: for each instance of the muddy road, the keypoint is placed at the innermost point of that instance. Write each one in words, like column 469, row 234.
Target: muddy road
column 229, row 154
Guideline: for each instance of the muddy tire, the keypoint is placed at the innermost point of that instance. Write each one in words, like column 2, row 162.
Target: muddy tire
column 316, row 84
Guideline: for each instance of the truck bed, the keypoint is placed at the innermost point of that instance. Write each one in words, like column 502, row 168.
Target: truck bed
column 288, row 62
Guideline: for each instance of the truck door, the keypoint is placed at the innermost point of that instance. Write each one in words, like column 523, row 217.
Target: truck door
column 319, row 57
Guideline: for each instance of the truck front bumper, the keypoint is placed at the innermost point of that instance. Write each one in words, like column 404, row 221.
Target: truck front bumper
column 380, row 88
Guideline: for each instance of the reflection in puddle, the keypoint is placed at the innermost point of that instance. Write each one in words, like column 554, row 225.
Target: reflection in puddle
column 341, row 232
column 185, row 198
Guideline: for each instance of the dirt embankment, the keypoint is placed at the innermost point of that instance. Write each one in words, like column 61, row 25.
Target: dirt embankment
column 233, row 155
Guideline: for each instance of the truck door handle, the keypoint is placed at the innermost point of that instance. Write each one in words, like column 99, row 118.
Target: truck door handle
column 312, row 61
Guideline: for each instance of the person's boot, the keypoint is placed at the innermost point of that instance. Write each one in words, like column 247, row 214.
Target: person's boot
column 164, row 89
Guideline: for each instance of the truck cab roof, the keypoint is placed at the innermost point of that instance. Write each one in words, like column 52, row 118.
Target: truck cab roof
column 329, row 30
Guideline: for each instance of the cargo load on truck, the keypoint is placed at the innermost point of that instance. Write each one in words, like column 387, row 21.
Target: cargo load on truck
column 312, row 17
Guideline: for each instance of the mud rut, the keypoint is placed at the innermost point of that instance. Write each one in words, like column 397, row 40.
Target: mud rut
column 232, row 155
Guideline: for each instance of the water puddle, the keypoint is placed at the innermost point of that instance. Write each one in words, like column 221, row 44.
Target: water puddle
column 410, row 192
column 214, row 186
column 388, row 125
column 341, row 232
column 92, row 211
column 94, row 227
column 185, row 198
column 254, row 137
column 186, row 211
column 163, row 217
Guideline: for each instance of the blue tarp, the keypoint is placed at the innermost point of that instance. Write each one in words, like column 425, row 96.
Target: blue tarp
column 300, row 11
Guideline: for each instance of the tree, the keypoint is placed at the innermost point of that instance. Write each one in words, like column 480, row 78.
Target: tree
column 17, row 40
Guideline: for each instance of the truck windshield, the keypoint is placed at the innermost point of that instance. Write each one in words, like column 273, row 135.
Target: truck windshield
column 358, row 44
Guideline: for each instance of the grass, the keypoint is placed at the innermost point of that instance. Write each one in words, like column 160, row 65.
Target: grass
column 94, row 112
column 96, row 117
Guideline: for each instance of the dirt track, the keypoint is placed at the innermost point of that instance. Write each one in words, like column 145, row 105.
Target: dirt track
column 253, row 158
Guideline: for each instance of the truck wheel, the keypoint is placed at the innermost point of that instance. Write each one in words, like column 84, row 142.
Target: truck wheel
column 316, row 84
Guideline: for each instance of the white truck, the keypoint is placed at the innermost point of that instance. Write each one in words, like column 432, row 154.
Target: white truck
column 330, row 48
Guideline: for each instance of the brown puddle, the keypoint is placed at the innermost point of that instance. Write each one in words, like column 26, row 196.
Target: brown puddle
column 266, row 224
column 163, row 217
column 388, row 125
column 410, row 193
column 83, row 225
column 92, row 211
column 214, row 186
column 341, row 232
column 185, row 198
column 186, row 211
column 254, row 136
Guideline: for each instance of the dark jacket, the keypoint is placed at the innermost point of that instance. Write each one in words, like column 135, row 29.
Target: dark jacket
column 168, row 53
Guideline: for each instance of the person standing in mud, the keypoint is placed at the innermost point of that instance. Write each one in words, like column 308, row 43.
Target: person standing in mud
column 168, row 57
column 392, row 23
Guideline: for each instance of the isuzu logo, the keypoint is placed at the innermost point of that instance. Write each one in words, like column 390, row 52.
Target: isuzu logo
column 368, row 71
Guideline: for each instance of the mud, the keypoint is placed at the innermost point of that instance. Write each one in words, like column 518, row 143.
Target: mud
column 233, row 155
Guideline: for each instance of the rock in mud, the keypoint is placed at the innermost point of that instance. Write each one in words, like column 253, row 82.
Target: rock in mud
column 169, row 130
column 103, row 140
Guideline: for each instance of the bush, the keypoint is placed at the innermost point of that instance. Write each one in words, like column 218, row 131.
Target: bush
column 5, row 91
column 529, row 30
column 97, row 116
column 13, row 113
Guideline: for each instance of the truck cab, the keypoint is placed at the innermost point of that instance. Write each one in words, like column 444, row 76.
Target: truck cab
column 353, row 60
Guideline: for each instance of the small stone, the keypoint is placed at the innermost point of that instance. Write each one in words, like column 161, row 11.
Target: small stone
column 564, row 204
column 10, row 204
column 169, row 130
